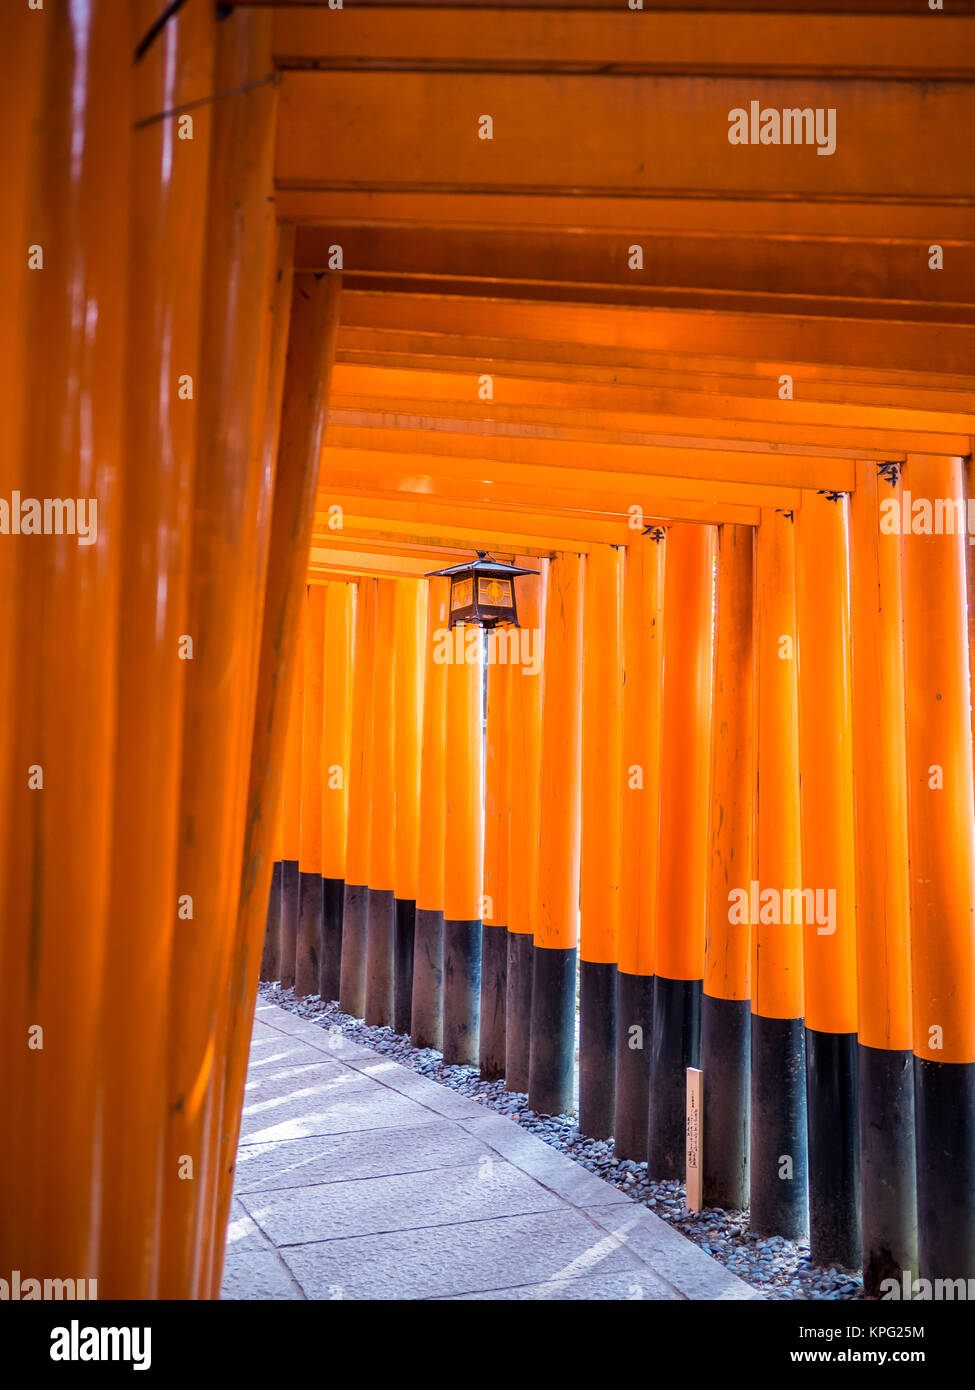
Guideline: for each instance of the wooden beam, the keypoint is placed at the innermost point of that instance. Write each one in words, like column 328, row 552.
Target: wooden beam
column 439, row 38
column 415, row 389
column 787, row 341
column 677, row 369
column 617, row 427
column 578, row 462
column 878, row 277
column 541, row 487
column 560, row 132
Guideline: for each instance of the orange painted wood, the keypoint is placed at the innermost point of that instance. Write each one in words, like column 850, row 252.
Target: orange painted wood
column 313, row 718
column 643, row 648
column 311, row 349
column 409, row 633
column 777, row 985
column 524, row 725
column 602, row 754
column 464, row 811
column 560, row 786
column 682, row 875
column 826, row 760
column 727, row 955
column 941, row 799
column 337, row 727
column 430, row 876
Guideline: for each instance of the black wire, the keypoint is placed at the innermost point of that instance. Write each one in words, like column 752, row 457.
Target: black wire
column 155, row 29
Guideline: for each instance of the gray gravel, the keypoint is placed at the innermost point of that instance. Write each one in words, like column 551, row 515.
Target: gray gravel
column 779, row 1268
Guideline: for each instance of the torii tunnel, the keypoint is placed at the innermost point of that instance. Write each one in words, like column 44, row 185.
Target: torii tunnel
column 671, row 308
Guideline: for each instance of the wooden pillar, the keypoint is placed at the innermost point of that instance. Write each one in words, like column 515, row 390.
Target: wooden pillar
column 829, row 887
column 271, row 955
column 311, row 351
column 291, row 809
column 69, row 360
column 336, row 733
column 725, row 1011
column 463, row 848
column 426, row 1008
column 524, row 723
column 778, row 1083
column 229, row 549
column 643, row 635
column 410, row 629
column 942, row 863
column 352, row 982
column 169, row 181
column 501, row 668
column 682, row 875
column 602, row 783
column 280, row 330
column 556, row 949
column 380, row 919
column 310, row 924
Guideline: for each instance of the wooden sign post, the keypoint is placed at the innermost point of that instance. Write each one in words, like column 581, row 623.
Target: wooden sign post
column 694, row 1138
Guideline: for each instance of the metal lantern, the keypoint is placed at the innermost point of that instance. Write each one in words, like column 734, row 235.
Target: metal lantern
column 482, row 592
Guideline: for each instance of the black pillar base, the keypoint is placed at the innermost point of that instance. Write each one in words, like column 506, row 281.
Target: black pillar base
column 330, row 956
column 380, row 929
column 309, row 933
column 887, row 1178
column 634, row 1017
column 461, row 991
column 944, row 1110
column 551, row 1069
column 675, row 1045
column 289, row 923
column 597, row 1048
column 778, row 1170
column 403, row 941
column 494, row 990
column 834, row 1149
column 725, row 1049
column 272, row 932
column 518, row 1011
column 426, row 1015
column 352, row 982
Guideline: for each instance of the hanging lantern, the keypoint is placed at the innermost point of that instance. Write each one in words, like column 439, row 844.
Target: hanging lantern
column 482, row 592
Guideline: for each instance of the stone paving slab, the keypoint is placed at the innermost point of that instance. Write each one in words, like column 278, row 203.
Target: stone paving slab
column 358, row 1178
column 292, row 1163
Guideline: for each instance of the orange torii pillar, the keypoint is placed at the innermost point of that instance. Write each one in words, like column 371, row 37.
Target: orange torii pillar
column 310, row 848
column 61, row 715
column 777, row 1176
column 502, row 649
column 291, row 812
column 829, row 888
column 942, row 862
column 886, row 1073
column 524, row 740
column 682, row 875
column 314, row 315
column 725, row 1010
column 381, row 914
column 410, row 629
column 555, row 954
column 271, row 957
column 643, row 665
column 426, row 1008
column 602, row 780
column 463, row 848
column 336, row 730
column 231, row 530
column 352, row 979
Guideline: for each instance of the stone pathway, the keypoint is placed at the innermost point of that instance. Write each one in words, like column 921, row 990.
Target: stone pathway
column 357, row 1178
